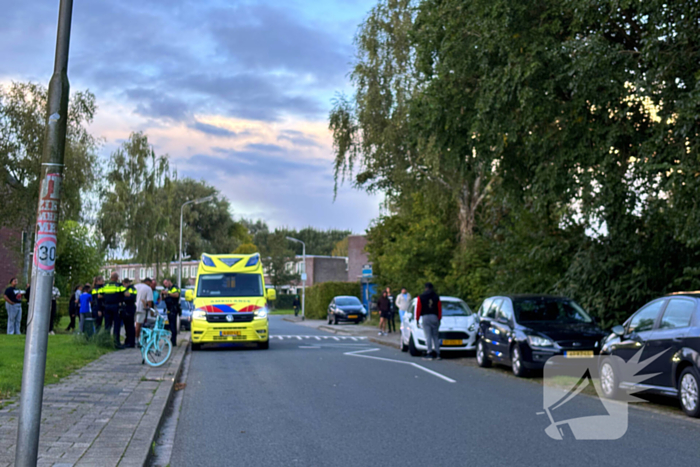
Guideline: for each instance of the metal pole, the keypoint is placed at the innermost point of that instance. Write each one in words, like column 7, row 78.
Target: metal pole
column 44, row 248
column 179, row 272
column 303, row 289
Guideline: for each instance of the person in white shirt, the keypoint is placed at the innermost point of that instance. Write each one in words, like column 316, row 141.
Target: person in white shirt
column 403, row 302
column 144, row 301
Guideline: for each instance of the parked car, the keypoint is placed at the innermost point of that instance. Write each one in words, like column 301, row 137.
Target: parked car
column 524, row 331
column 346, row 308
column 667, row 331
column 458, row 328
column 186, row 316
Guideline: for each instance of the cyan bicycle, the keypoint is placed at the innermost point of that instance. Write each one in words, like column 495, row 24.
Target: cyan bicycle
column 155, row 342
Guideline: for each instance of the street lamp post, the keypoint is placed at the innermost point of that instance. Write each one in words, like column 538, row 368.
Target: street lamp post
column 303, row 277
column 182, row 210
column 27, row 448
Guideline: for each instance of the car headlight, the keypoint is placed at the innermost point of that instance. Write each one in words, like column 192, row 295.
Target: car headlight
column 260, row 313
column 538, row 341
column 472, row 327
column 199, row 314
column 364, row 310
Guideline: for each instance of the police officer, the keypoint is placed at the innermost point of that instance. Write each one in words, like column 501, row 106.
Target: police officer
column 128, row 313
column 112, row 295
column 97, row 306
column 171, row 296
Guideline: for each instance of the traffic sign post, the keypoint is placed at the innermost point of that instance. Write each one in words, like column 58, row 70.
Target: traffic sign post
column 38, row 316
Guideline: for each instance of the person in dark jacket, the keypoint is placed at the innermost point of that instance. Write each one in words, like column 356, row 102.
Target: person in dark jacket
column 429, row 307
column 296, row 304
column 391, row 323
column 384, row 307
column 74, row 306
column 128, row 313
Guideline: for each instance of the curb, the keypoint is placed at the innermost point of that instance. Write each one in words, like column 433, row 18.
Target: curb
column 388, row 344
column 140, row 451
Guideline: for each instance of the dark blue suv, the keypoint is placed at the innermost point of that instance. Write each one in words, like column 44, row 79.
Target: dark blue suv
column 667, row 333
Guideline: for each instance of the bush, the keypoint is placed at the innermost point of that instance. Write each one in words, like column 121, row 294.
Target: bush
column 285, row 301
column 320, row 295
column 61, row 310
column 102, row 338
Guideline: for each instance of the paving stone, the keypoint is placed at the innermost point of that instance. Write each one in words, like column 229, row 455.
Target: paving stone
column 104, row 413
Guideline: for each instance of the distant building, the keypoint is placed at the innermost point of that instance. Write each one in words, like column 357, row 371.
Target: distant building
column 318, row 269
column 10, row 256
column 357, row 257
column 137, row 271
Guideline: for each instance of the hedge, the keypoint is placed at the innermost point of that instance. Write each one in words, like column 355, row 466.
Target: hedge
column 61, row 310
column 285, row 301
column 319, row 296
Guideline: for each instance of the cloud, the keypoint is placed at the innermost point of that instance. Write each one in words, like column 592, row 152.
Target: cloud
column 298, row 138
column 212, row 130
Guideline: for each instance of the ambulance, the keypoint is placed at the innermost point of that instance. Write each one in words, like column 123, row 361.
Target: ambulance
column 230, row 301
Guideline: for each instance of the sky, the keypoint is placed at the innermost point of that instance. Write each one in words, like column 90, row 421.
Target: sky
column 237, row 93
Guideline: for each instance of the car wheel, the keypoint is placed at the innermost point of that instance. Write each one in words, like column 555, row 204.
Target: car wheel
column 609, row 382
column 412, row 348
column 196, row 346
column 516, row 361
column 404, row 347
column 481, row 359
column 264, row 345
column 688, row 392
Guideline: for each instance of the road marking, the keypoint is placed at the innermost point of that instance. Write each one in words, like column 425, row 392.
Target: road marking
column 357, row 353
column 309, row 346
column 318, row 338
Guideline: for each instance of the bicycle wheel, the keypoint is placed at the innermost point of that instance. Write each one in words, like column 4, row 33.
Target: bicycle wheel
column 158, row 351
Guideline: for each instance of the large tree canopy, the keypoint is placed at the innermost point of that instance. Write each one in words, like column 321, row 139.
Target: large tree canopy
column 557, row 142
column 22, row 133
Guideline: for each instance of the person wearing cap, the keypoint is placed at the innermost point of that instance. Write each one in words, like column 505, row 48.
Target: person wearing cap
column 128, row 313
column 429, row 307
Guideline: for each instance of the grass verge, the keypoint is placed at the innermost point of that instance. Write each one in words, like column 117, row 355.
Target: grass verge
column 282, row 312
column 66, row 353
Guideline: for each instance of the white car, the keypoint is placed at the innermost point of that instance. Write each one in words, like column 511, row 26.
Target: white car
column 458, row 328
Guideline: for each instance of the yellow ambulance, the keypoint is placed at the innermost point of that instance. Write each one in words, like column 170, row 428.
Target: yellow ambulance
column 230, row 301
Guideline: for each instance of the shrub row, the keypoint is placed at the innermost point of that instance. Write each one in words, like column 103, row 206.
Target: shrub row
column 320, row 295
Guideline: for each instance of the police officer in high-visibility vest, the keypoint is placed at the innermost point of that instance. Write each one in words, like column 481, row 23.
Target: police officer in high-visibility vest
column 97, row 304
column 171, row 296
column 112, row 294
column 128, row 313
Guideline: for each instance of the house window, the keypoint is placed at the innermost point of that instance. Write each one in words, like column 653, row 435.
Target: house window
column 142, row 273
column 193, row 272
column 173, row 270
column 132, row 274
column 150, row 272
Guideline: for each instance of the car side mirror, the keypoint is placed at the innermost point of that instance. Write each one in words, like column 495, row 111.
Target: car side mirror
column 618, row 330
column 271, row 295
column 189, row 295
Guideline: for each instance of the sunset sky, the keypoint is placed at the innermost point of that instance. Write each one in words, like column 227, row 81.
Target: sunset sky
column 237, row 93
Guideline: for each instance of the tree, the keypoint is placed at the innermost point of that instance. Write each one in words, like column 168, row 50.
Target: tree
column 340, row 248
column 277, row 259
column 79, row 256
column 22, row 133
column 137, row 207
column 207, row 227
column 245, row 249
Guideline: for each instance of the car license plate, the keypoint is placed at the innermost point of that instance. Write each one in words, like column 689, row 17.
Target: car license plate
column 452, row 342
column 229, row 333
column 352, row 316
column 578, row 354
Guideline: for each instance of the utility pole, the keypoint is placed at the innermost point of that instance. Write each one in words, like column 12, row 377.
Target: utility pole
column 44, row 248
column 182, row 210
column 303, row 277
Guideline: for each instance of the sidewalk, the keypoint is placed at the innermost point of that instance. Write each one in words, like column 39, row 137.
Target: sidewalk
column 104, row 414
column 357, row 330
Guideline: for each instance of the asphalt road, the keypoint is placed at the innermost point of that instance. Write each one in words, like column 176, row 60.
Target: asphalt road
column 306, row 402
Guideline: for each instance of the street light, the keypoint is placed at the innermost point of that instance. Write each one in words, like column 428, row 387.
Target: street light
column 194, row 201
column 303, row 276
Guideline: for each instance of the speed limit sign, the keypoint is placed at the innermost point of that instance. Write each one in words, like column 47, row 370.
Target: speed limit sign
column 45, row 253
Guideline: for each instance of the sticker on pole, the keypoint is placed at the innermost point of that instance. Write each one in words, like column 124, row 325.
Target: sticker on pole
column 47, row 223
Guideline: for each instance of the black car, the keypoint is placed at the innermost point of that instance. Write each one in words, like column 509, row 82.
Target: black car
column 524, row 331
column 667, row 332
column 346, row 308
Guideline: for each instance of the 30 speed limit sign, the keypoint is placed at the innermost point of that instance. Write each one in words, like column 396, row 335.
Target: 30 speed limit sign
column 47, row 223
